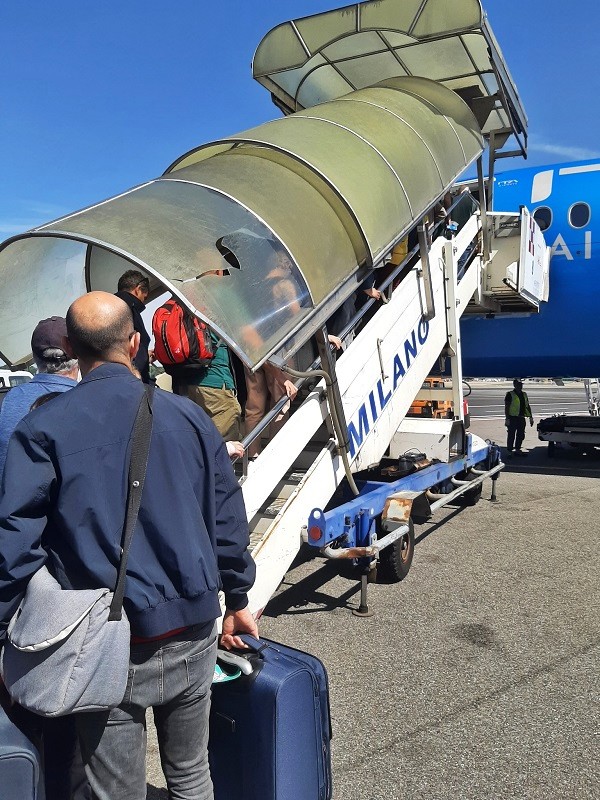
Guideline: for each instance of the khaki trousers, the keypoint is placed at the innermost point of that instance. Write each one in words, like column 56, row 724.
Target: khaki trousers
column 222, row 407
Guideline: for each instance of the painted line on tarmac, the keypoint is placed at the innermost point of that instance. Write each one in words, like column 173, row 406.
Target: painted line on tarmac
column 502, row 416
column 558, row 402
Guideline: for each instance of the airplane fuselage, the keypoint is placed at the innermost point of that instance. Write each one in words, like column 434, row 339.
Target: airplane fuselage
column 562, row 339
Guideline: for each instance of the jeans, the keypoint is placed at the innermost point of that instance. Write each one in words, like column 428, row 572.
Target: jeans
column 516, row 432
column 173, row 676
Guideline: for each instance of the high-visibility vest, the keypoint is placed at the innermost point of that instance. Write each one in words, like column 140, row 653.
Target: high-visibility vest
column 515, row 405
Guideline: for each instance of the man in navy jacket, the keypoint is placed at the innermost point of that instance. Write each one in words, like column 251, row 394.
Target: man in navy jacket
column 62, row 501
column 133, row 289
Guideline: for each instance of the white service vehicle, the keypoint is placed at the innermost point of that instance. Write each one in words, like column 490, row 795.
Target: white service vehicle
column 10, row 378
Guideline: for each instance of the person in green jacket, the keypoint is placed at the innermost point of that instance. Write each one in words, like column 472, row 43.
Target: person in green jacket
column 213, row 389
column 516, row 410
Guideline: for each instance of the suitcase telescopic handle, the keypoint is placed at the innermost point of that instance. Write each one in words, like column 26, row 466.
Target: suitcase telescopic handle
column 237, row 658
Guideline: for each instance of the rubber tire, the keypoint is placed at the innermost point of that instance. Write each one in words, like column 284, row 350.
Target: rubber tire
column 395, row 560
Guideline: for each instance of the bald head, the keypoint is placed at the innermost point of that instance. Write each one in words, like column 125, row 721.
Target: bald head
column 100, row 328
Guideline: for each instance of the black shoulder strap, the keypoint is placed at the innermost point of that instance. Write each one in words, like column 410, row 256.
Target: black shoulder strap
column 140, row 448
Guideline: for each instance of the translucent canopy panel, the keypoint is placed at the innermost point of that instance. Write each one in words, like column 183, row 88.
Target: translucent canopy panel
column 381, row 155
column 264, row 234
column 208, row 249
column 310, row 222
column 39, row 278
column 316, row 59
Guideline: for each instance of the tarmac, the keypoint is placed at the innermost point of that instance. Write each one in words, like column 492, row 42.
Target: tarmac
column 477, row 676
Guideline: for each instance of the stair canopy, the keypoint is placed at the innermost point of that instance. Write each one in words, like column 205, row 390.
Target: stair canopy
column 317, row 58
column 262, row 234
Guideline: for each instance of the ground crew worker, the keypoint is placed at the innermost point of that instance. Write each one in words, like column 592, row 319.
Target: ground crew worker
column 516, row 410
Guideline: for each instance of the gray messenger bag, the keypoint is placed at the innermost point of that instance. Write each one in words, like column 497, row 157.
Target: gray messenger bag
column 68, row 650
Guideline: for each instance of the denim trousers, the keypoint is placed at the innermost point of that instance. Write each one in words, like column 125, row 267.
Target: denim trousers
column 173, row 677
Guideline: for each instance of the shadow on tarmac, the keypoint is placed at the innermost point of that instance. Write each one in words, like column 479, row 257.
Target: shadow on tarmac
column 564, row 462
column 480, row 700
column 304, row 592
column 429, row 527
column 303, row 596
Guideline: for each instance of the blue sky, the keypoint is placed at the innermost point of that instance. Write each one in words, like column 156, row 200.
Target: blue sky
column 98, row 97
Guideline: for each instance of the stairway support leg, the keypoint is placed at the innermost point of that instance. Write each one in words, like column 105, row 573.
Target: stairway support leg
column 363, row 609
column 493, row 498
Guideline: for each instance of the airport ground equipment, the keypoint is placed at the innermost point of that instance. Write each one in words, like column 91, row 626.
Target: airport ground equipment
column 13, row 377
column 570, row 432
column 10, row 378
column 592, row 393
column 435, row 399
column 581, row 433
column 386, row 105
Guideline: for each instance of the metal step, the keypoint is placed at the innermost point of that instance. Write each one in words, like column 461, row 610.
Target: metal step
column 262, row 521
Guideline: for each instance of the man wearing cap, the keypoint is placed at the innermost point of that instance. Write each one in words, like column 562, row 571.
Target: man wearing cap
column 516, row 410
column 57, row 372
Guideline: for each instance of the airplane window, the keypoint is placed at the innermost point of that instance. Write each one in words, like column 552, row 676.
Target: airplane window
column 543, row 217
column 579, row 215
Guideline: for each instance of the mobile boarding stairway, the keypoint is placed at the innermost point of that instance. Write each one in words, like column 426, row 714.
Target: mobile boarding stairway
column 289, row 488
column 265, row 234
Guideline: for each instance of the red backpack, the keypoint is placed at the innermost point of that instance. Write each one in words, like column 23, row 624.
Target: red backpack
column 180, row 339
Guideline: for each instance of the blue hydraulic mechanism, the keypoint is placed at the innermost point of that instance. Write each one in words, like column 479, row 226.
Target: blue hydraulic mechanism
column 351, row 529
column 352, row 525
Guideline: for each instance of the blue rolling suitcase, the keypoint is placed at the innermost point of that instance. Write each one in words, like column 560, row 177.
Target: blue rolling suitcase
column 20, row 770
column 270, row 730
